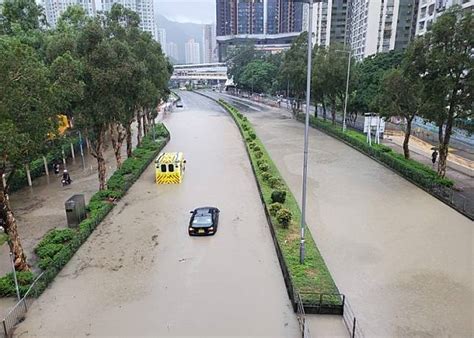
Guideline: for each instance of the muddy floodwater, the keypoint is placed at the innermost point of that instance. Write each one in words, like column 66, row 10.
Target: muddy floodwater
column 141, row 274
column 404, row 259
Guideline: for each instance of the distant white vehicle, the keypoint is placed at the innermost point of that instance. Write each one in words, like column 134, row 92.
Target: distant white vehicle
column 182, row 88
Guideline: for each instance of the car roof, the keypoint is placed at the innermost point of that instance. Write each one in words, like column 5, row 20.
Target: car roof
column 203, row 210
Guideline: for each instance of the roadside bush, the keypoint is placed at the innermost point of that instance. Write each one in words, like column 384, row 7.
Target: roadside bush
column 261, row 161
column 274, row 182
column 256, row 148
column 258, row 154
column 245, row 126
column 7, row 283
column 266, row 176
column 284, row 217
column 274, row 208
column 252, row 135
column 252, row 145
column 278, row 196
column 239, row 115
column 264, row 167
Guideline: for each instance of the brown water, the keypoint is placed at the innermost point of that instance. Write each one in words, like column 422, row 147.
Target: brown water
column 404, row 259
column 141, row 274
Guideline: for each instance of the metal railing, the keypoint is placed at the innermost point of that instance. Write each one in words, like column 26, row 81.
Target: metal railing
column 350, row 320
column 17, row 313
column 301, row 316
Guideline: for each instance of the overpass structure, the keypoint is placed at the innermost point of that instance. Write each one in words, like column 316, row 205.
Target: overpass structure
column 211, row 72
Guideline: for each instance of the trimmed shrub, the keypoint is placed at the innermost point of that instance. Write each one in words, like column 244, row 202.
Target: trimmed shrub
column 252, row 145
column 278, row 196
column 266, row 176
column 252, row 135
column 258, row 154
column 264, row 167
column 274, row 182
column 284, row 217
column 274, row 208
column 7, row 283
column 256, row 148
column 259, row 162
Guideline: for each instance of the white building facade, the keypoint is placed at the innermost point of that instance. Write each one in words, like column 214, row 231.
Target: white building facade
column 192, row 52
column 162, row 39
column 172, row 51
column 429, row 10
column 144, row 8
column 208, row 43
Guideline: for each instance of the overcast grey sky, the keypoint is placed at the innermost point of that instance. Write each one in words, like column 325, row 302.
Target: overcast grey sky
column 198, row 11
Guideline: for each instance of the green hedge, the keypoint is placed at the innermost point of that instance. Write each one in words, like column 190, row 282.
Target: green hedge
column 19, row 179
column 59, row 245
column 410, row 169
column 312, row 277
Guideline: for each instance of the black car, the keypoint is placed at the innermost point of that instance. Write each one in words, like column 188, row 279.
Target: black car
column 203, row 221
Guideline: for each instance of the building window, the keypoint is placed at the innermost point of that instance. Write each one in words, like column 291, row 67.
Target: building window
column 421, row 25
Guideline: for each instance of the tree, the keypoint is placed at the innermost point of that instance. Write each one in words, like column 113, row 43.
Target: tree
column 239, row 59
column 27, row 116
column 443, row 60
column 294, row 67
column 399, row 95
column 21, row 15
column 258, row 76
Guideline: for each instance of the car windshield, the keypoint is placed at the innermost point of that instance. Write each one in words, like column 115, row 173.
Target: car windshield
column 202, row 221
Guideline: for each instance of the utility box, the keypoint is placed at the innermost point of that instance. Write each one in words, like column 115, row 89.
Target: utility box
column 75, row 210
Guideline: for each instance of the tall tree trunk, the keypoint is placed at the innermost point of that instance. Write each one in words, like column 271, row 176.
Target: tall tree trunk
column 324, row 110
column 333, row 112
column 11, row 229
column 117, row 135
column 444, row 145
column 406, row 150
column 128, row 131
column 139, row 128
column 97, row 150
column 145, row 124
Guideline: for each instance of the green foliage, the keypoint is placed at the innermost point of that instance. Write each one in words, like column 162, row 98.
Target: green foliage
column 252, row 135
column 251, row 145
column 314, row 274
column 258, row 154
column 284, row 217
column 274, row 182
column 278, row 196
column 256, row 148
column 258, row 75
column 266, row 176
column 274, row 208
column 7, row 283
column 264, row 167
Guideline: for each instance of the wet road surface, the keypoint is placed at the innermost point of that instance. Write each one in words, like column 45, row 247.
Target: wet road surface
column 404, row 259
column 141, row 274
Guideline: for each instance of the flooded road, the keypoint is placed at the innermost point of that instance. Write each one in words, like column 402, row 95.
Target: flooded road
column 141, row 274
column 404, row 259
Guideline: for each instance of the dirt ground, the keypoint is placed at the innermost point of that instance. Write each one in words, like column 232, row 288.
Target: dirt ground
column 141, row 274
column 404, row 259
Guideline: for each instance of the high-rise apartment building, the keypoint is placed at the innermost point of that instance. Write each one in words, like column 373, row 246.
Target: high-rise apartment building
column 172, row 51
column 54, row 8
column 144, row 8
column 192, row 52
column 208, row 43
column 161, row 37
column 265, row 22
column 331, row 22
column 429, row 10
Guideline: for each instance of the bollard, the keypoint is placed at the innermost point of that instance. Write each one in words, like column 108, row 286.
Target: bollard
column 45, row 166
column 28, row 175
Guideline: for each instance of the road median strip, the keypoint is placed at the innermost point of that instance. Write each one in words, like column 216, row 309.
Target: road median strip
column 58, row 246
column 311, row 280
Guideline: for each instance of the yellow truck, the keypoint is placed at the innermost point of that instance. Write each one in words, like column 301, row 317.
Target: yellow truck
column 169, row 168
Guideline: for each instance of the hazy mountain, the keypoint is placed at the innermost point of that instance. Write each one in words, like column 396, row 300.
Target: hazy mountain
column 180, row 33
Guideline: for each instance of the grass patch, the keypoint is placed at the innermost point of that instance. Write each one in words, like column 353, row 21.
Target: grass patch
column 3, row 238
column 313, row 276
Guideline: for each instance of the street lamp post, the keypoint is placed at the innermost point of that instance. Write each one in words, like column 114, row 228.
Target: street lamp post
column 344, row 126
column 306, row 128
